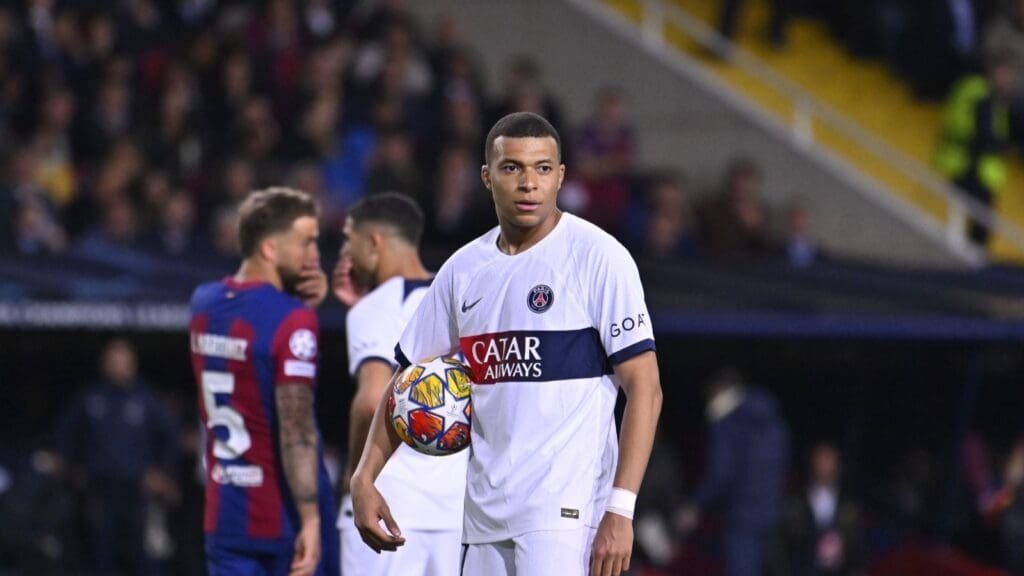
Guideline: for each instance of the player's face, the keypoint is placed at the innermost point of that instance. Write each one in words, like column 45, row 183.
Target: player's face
column 524, row 176
column 296, row 251
column 359, row 248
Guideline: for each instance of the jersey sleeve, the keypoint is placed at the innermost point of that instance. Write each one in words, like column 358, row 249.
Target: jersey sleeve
column 433, row 330
column 371, row 334
column 617, row 305
column 295, row 348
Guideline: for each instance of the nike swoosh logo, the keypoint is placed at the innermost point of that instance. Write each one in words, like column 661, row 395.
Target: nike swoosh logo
column 470, row 307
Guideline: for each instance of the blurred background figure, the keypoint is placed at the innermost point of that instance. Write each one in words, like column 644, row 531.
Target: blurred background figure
column 976, row 136
column 775, row 34
column 604, row 158
column 663, row 226
column 523, row 90
column 119, row 444
column 456, row 207
column 745, row 472
column 656, row 536
column 734, row 222
column 1012, row 523
column 799, row 246
column 822, row 532
column 36, row 513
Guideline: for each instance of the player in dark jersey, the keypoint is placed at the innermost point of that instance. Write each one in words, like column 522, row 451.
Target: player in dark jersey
column 269, row 509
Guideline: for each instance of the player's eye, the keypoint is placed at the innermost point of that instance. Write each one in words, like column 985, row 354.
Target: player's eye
column 545, row 169
column 510, row 168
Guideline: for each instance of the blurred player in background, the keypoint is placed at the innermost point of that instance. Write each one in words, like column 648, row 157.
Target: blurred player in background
column 120, row 441
column 550, row 314
column 424, row 493
column 269, row 508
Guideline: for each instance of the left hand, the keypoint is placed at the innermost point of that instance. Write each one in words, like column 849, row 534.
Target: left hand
column 312, row 288
column 307, row 550
column 613, row 546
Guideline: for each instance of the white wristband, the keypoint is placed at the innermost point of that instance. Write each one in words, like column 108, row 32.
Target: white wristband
column 621, row 502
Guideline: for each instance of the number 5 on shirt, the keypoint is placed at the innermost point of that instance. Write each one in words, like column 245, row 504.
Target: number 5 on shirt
column 238, row 440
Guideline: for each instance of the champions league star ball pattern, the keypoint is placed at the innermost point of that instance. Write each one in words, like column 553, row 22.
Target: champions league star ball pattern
column 429, row 406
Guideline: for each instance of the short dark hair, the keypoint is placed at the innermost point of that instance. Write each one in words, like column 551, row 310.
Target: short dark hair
column 390, row 209
column 271, row 211
column 521, row 125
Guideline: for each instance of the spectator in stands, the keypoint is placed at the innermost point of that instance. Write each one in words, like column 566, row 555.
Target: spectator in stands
column 798, row 244
column 109, row 119
column 175, row 232
column 748, row 455
column 976, row 135
column 822, row 531
column 776, row 31
column 1004, row 34
column 456, row 208
column 455, row 67
column 734, row 222
column 236, row 86
column 120, row 442
column 52, row 143
column 395, row 54
column 668, row 231
column 238, row 178
column 523, row 85
column 224, row 234
column 459, row 123
column 116, row 232
column 257, row 135
column 372, row 25
column 36, row 228
column 344, row 153
column 605, row 155
column 942, row 40
column 31, row 223
column 393, row 167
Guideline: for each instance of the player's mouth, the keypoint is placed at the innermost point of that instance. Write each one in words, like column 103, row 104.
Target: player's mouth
column 527, row 206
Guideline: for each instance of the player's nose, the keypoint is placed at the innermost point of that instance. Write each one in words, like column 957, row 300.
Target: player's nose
column 527, row 180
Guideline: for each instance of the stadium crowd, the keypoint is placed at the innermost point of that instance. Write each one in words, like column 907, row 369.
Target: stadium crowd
column 139, row 127
column 136, row 127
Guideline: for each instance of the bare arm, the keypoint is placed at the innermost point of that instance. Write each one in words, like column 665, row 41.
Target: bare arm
column 367, row 503
column 372, row 382
column 641, row 382
column 638, row 376
column 298, row 440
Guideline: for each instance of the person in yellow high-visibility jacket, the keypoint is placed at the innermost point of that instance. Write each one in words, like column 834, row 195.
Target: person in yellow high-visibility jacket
column 976, row 135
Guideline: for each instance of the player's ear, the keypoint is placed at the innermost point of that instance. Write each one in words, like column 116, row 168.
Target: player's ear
column 485, row 175
column 268, row 248
column 377, row 239
column 561, row 175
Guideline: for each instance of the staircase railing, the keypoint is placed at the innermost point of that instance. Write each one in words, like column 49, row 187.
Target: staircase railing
column 807, row 110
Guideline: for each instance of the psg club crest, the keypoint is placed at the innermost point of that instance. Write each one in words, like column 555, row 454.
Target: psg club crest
column 540, row 298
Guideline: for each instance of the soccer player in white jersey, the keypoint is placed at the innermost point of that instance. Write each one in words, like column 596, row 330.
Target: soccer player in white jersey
column 425, row 493
column 550, row 314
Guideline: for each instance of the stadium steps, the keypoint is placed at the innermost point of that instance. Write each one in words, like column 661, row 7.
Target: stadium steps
column 866, row 92
column 687, row 120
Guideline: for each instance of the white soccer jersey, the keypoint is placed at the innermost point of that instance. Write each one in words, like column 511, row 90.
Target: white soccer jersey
column 541, row 331
column 424, row 492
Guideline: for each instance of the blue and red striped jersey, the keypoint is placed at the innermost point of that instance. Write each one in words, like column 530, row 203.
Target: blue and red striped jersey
column 247, row 338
